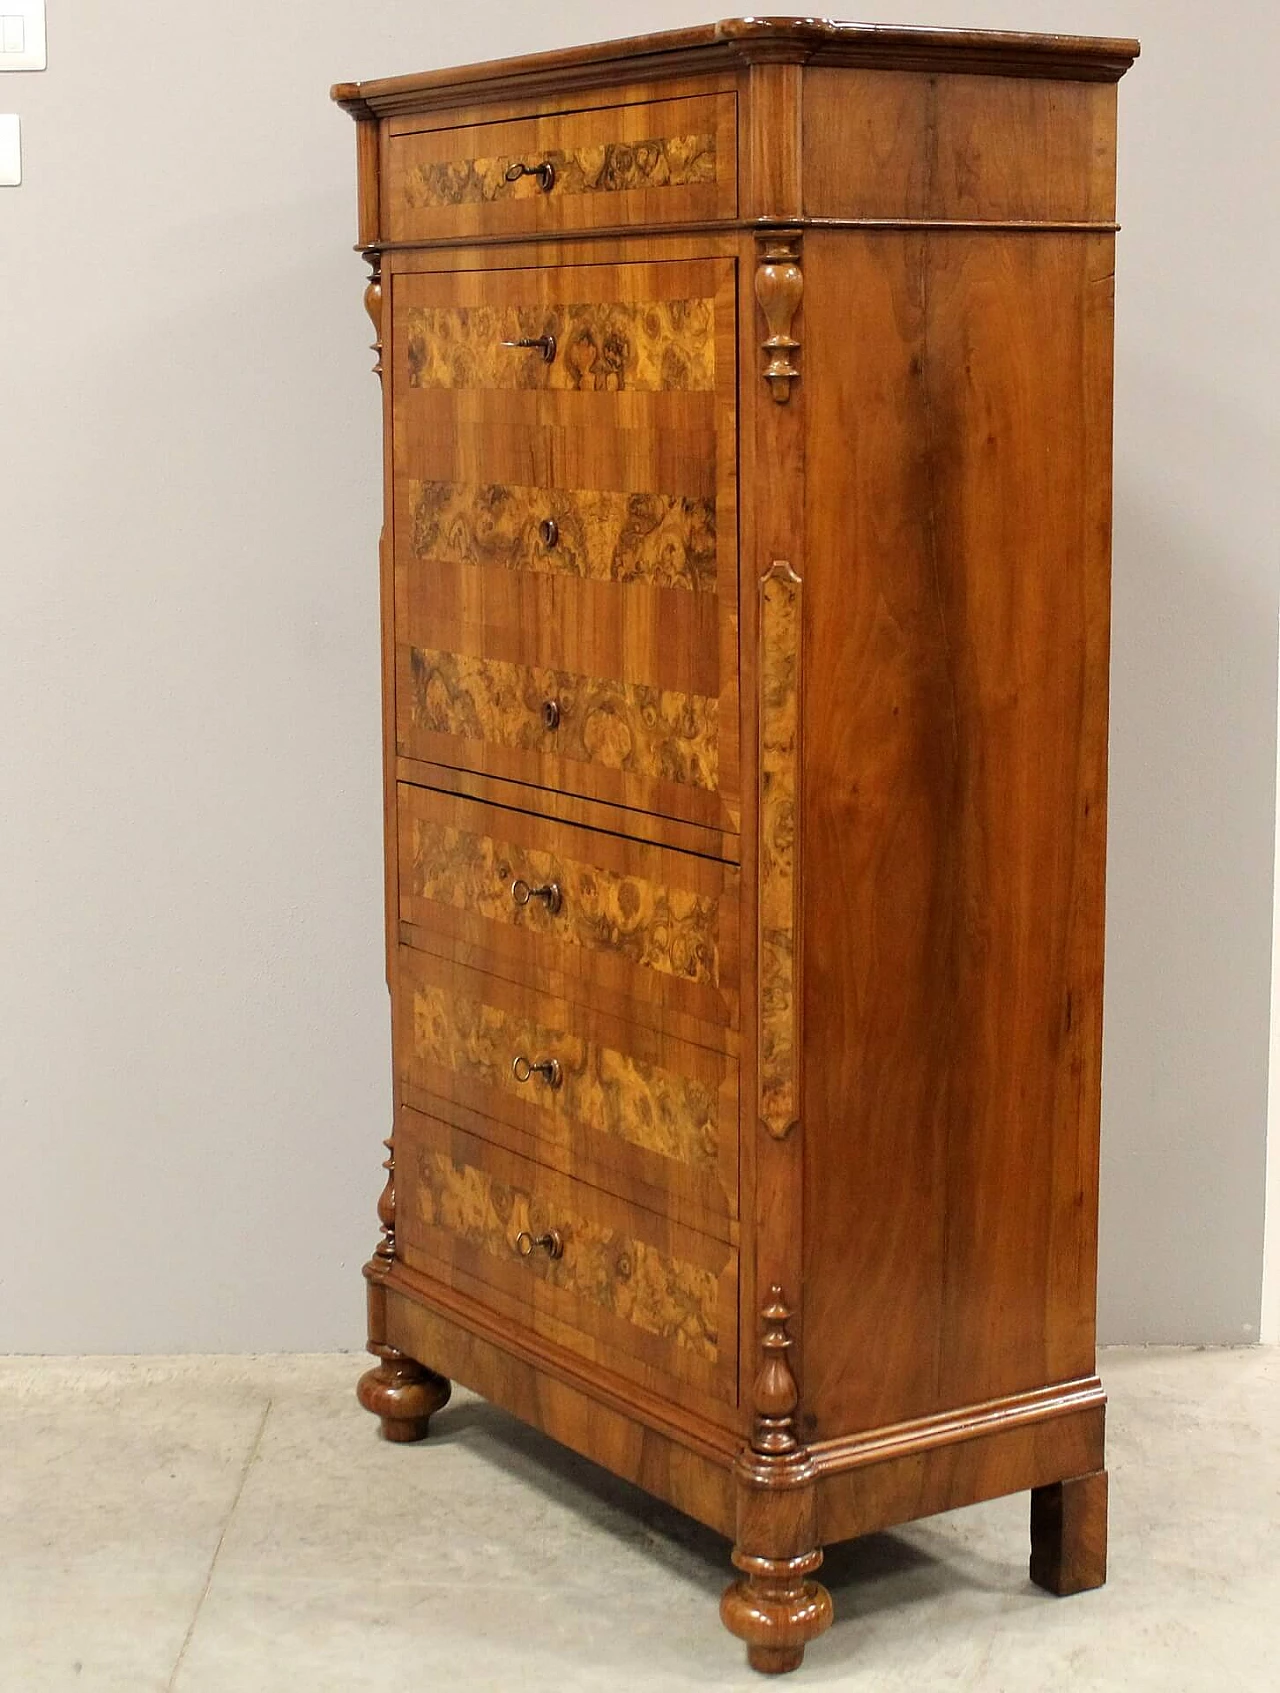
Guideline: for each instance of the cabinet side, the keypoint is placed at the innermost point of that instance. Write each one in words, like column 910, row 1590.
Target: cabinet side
column 957, row 572
column 902, row 146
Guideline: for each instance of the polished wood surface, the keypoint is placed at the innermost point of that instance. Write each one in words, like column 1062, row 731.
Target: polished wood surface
column 777, row 943
column 745, row 670
column 610, row 680
column 666, row 540
column 637, row 1293
column 776, row 1607
column 568, row 808
column 650, row 162
column 740, row 44
column 897, row 146
column 894, row 1475
column 676, row 1455
column 403, row 1395
column 956, row 675
column 640, row 929
column 1069, row 1534
column 632, row 1109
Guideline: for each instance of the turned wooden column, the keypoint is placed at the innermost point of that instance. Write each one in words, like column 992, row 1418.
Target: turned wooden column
column 775, row 1607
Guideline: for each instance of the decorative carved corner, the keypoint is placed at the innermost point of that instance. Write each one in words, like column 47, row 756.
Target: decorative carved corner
column 775, row 1395
column 373, row 304
column 779, row 285
column 384, row 1254
column 775, row 1606
column 401, row 1392
column 775, row 1457
column 781, row 626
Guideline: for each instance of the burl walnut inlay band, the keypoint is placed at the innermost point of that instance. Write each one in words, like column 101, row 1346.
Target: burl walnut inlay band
column 614, row 1092
column 780, row 635
column 663, row 1295
column 672, row 161
column 669, row 929
column 605, row 347
column 666, row 540
column 654, row 732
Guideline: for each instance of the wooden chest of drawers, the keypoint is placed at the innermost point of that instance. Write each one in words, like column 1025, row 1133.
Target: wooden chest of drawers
column 745, row 582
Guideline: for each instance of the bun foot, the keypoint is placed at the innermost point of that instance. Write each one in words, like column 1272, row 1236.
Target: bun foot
column 775, row 1660
column 403, row 1395
column 776, row 1610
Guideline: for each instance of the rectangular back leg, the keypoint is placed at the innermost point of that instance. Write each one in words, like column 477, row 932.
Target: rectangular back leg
column 1069, row 1534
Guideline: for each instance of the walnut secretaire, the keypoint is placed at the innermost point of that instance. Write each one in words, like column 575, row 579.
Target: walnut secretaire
column 745, row 576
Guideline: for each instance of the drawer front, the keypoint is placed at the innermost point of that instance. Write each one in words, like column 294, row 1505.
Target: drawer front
column 575, row 1087
column 582, row 534
column 664, row 161
column 565, row 533
column 634, row 1292
column 643, row 931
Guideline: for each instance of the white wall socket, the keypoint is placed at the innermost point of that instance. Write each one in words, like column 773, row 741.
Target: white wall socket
column 10, row 150
column 23, row 44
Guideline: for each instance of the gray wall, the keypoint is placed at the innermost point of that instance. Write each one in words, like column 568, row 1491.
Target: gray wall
column 193, row 1069
column 1193, row 768
column 1271, row 1246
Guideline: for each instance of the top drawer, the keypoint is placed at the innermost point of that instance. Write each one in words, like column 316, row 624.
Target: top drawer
column 659, row 161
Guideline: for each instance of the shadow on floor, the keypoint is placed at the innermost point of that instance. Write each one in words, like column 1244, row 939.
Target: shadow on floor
column 917, row 1562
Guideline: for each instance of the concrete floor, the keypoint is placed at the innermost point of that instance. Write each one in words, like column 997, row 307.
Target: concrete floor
column 229, row 1525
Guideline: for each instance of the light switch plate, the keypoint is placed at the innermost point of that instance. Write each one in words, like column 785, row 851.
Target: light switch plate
column 10, row 150
column 23, row 45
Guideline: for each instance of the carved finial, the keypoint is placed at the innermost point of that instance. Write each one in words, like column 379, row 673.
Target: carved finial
column 385, row 1251
column 401, row 1392
column 779, row 285
column 776, row 1394
column 373, row 303
column 776, row 1607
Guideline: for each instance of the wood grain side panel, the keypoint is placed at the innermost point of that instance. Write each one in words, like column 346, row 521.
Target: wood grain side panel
column 642, row 163
column 1021, row 1291
column 635, row 1104
column 903, row 144
column 634, row 1291
column 875, row 825
column 656, row 925
column 957, row 589
column 866, row 1499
